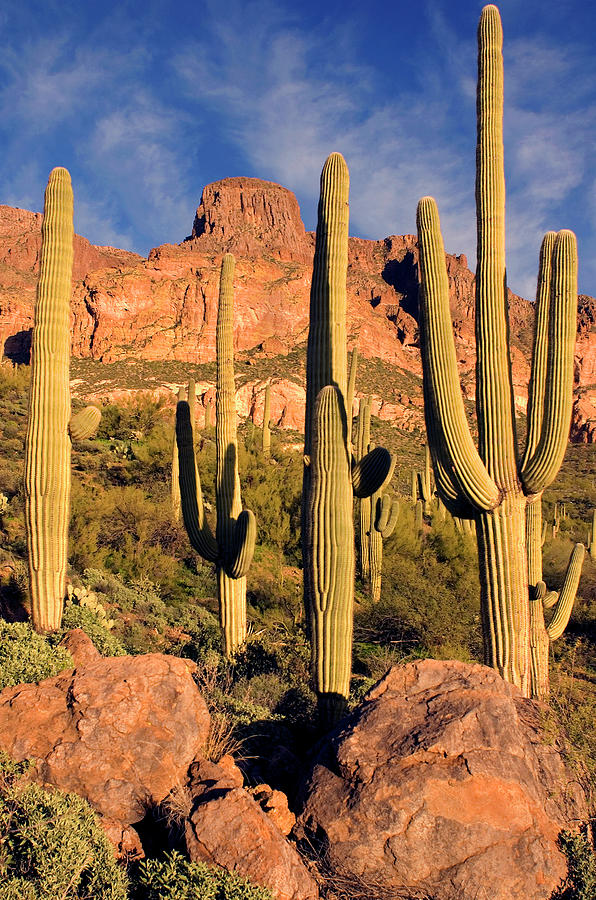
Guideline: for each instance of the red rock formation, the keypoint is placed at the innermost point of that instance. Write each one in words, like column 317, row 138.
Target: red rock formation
column 120, row 732
column 451, row 787
column 165, row 307
column 226, row 827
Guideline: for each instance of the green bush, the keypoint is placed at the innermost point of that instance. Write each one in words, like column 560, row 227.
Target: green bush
column 26, row 656
column 82, row 617
column 580, row 883
column 51, row 844
column 174, row 878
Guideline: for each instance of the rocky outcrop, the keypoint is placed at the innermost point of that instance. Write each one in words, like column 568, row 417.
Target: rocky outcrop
column 228, row 828
column 442, row 784
column 165, row 307
column 119, row 731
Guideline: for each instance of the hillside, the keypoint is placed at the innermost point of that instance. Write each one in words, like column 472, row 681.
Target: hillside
column 150, row 323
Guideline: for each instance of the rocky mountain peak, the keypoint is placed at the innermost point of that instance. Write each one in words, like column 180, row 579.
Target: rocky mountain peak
column 245, row 216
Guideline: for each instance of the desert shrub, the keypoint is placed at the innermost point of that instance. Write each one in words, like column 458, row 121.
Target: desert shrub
column 82, row 617
column 52, row 844
column 175, row 878
column 26, row 656
column 580, row 883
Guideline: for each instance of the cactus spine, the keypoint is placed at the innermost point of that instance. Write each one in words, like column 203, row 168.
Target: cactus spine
column 233, row 545
column 328, row 529
column 266, row 442
column 490, row 485
column 50, row 427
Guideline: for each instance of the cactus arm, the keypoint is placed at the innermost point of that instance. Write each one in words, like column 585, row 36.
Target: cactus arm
column 550, row 598
column 84, row 424
column 566, row 599
column 372, row 472
column 242, row 548
column 326, row 361
column 541, row 467
column 329, row 538
column 537, row 383
column 47, row 443
column 592, row 537
column 459, row 471
column 191, row 495
column 386, row 515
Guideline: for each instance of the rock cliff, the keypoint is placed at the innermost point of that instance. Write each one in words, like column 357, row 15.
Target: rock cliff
column 165, row 307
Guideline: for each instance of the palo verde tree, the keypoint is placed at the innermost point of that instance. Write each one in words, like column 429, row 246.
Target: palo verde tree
column 491, row 484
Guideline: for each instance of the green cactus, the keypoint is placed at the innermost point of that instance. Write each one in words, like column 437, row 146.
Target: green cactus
column 175, row 486
column 207, row 414
column 50, row 427
column 592, row 537
column 330, row 476
column 232, row 547
column 490, row 484
column 385, row 511
column 192, row 402
column 266, row 442
column 350, row 396
column 361, row 449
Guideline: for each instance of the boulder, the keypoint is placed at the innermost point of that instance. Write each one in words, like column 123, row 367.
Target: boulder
column 80, row 646
column 227, row 828
column 442, row 783
column 119, row 731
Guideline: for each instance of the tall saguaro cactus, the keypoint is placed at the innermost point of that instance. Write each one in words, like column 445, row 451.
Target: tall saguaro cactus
column 362, row 445
column 491, row 485
column 175, row 486
column 50, row 427
column 232, row 547
column 330, row 475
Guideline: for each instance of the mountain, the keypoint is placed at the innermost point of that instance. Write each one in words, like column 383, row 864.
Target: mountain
column 164, row 308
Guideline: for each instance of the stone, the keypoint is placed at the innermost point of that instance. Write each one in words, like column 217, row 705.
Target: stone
column 80, row 646
column 275, row 804
column 120, row 732
column 227, row 828
column 442, row 783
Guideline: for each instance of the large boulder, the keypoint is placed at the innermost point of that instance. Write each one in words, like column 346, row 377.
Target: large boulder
column 228, row 828
column 120, row 732
column 441, row 783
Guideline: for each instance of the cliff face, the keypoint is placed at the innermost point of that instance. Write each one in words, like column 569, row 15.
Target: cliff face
column 165, row 307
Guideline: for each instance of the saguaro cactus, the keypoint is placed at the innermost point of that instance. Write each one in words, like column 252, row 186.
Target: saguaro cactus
column 50, row 427
column 232, row 547
column 330, row 476
column 266, row 442
column 362, row 446
column 384, row 511
column 175, row 486
column 491, row 485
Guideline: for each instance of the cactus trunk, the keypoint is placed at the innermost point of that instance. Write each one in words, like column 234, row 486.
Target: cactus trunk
column 47, row 444
column 266, row 443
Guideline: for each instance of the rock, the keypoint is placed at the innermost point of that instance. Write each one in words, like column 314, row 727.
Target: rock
column 226, row 827
column 119, row 731
column 275, row 805
column 80, row 646
column 441, row 782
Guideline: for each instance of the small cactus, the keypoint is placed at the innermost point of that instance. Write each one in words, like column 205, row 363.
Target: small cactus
column 266, row 436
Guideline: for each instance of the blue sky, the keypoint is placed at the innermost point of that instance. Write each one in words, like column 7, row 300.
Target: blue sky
column 146, row 103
